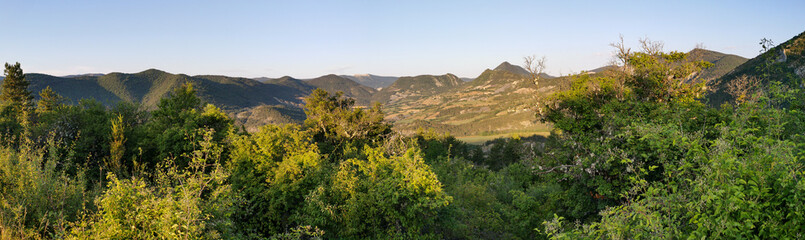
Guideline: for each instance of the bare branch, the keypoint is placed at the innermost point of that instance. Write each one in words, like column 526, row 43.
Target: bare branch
column 535, row 67
column 621, row 52
column 741, row 88
column 651, row 47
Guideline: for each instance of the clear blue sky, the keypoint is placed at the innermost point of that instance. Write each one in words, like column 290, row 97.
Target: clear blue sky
column 307, row 39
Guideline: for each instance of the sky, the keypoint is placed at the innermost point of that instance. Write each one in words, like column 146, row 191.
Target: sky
column 307, row 39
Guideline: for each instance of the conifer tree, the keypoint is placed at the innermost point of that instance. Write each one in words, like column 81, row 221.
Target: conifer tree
column 49, row 100
column 15, row 88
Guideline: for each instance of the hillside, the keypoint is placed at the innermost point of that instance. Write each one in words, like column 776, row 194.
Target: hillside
column 412, row 88
column 248, row 101
column 254, row 117
column 508, row 67
column 149, row 86
column 372, row 81
column 497, row 101
column 722, row 63
column 784, row 62
column 292, row 83
column 333, row 83
column 72, row 88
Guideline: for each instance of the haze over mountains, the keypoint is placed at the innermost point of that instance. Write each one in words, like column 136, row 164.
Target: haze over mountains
column 500, row 100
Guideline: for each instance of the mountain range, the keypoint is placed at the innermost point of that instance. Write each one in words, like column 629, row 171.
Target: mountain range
column 502, row 100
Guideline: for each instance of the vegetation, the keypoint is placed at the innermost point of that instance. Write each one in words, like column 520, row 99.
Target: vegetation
column 634, row 154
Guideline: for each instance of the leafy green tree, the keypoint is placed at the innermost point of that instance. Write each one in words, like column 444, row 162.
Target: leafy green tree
column 178, row 116
column 744, row 184
column 272, row 171
column 376, row 196
column 117, row 148
column 335, row 122
column 596, row 141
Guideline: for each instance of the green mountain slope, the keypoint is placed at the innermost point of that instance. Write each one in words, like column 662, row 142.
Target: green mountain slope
column 73, row 89
column 149, row 86
column 292, row 83
column 412, row 88
column 784, row 63
column 372, row 81
column 722, row 63
column 333, row 83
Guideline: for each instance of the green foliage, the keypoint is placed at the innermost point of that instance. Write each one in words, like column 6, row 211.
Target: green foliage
column 187, row 203
column 180, row 115
column 680, row 169
column 335, row 124
column 37, row 200
column 745, row 184
column 332, row 83
column 379, row 197
column 15, row 106
column 49, row 100
column 272, row 171
column 15, row 88
column 300, row 233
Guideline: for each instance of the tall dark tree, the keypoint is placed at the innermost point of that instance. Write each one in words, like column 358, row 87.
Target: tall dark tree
column 15, row 87
column 15, row 102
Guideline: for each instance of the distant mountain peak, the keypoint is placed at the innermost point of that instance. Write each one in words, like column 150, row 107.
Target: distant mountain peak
column 508, row 67
column 153, row 70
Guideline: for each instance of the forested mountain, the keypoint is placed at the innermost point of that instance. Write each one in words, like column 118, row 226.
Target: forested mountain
column 372, row 81
column 410, row 88
column 292, row 83
column 149, row 86
column 722, row 63
column 333, row 83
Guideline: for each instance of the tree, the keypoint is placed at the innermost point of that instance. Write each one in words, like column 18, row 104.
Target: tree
column 272, row 171
column 535, row 66
column 179, row 116
column 606, row 126
column 49, row 100
column 377, row 196
column 15, row 88
column 16, row 102
column 334, row 121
